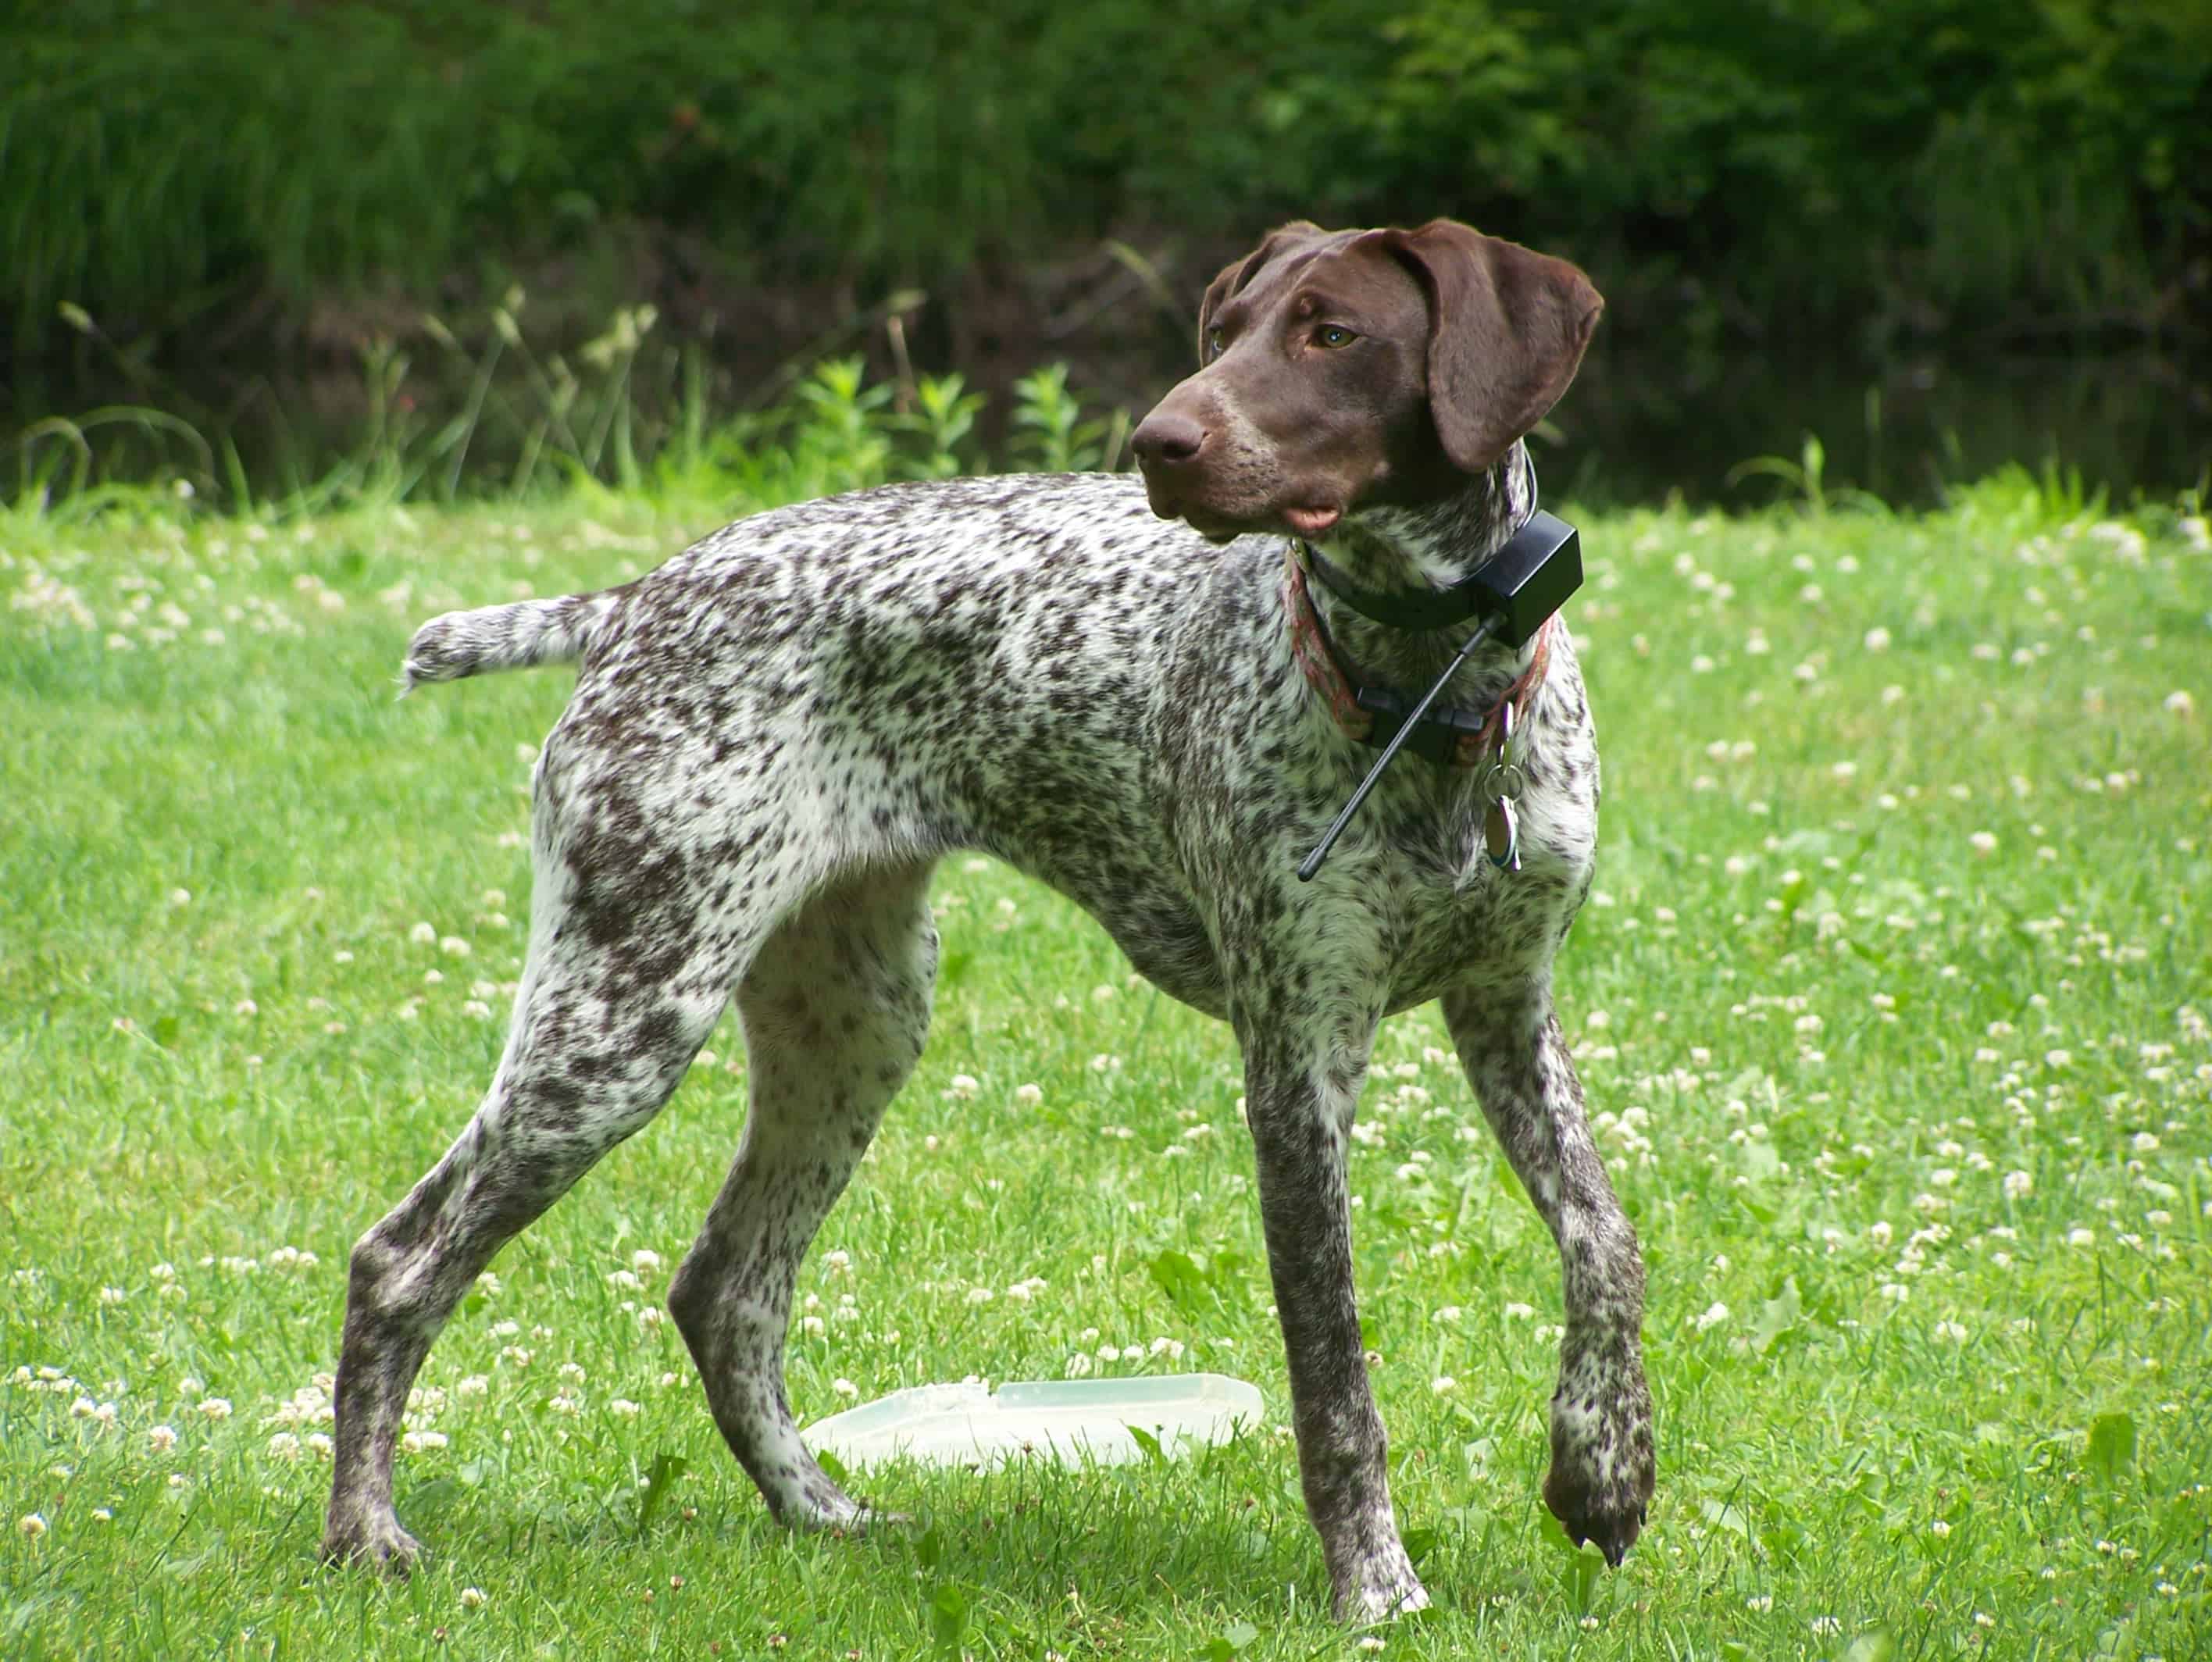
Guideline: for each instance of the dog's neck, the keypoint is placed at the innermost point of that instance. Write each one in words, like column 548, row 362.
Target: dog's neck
column 1431, row 546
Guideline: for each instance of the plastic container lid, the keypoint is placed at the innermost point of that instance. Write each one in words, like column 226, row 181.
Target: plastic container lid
column 1071, row 1420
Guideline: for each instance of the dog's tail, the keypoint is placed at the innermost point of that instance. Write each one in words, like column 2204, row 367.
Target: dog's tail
column 515, row 637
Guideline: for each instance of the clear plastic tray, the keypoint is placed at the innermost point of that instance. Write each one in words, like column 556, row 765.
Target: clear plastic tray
column 1071, row 1420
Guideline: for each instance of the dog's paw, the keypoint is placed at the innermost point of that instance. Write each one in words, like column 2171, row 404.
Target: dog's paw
column 816, row 1503
column 1382, row 1587
column 873, row 1520
column 375, row 1542
column 1600, row 1485
column 1610, row 1518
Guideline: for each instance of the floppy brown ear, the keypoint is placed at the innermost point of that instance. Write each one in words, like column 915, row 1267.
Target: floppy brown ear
column 1507, row 327
column 1238, row 272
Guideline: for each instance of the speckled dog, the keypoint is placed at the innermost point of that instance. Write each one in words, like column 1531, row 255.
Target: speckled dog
column 777, row 735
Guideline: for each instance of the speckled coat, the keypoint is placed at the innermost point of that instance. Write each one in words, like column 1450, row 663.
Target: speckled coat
column 774, row 737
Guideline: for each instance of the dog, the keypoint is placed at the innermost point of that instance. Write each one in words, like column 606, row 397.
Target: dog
column 777, row 735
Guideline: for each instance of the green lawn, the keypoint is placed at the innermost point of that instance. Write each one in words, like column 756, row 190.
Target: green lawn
column 1892, row 1002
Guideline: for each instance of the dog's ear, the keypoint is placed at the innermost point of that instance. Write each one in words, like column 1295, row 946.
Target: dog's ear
column 1507, row 327
column 1238, row 272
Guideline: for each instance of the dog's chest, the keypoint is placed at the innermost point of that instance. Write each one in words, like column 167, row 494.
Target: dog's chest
column 1449, row 917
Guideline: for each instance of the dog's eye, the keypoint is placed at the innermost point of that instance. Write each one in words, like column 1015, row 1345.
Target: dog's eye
column 1215, row 342
column 1332, row 335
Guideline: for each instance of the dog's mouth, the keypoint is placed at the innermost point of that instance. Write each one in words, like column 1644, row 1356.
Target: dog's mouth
column 1315, row 521
column 1309, row 521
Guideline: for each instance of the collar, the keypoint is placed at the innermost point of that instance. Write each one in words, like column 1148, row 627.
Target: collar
column 1371, row 714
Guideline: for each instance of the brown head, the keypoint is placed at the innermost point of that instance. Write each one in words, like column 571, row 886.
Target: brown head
column 1343, row 369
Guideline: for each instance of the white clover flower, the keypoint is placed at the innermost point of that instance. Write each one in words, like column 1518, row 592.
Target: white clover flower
column 1028, row 1096
column 1079, row 1366
column 31, row 1525
column 1714, row 1315
column 1443, row 1385
column 812, row 1327
column 839, row 1259
column 423, row 935
column 216, row 1408
column 2018, row 1186
column 454, row 946
column 981, row 1295
column 1983, row 843
column 963, row 1087
column 1939, row 1529
column 415, row 1442
column 1953, row 1330
column 2145, row 1143
column 623, row 1408
column 1877, row 639
column 473, row 1598
column 284, row 1445
column 845, row 1388
column 2081, row 1238
column 1520, row 1313
column 162, row 1438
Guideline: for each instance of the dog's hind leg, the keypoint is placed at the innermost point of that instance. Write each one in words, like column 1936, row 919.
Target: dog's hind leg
column 836, row 1008
column 628, row 973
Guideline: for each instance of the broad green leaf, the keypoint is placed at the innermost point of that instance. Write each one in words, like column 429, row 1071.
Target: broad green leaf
column 666, row 1469
column 947, row 1610
column 2111, row 1445
column 1177, row 1275
column 1777, row 1316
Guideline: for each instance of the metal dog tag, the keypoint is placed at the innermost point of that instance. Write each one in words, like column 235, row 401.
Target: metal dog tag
column 1501, row 835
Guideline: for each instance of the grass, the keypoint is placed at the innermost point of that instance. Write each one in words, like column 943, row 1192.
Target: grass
column 1892, row 1004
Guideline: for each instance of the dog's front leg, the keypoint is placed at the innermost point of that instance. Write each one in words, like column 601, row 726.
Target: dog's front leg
column 1302, row 1084
column 1515, row 1057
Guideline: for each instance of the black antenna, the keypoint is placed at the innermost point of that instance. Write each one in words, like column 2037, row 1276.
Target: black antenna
column 1311, row 864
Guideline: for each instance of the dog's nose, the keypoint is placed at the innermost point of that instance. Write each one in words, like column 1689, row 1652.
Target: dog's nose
column 1165, row 439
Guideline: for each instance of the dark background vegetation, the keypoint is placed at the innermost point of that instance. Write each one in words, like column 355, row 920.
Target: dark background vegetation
column 1802, row 212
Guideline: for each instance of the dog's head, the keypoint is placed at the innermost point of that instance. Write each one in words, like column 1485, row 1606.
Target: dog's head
column 1343, row 369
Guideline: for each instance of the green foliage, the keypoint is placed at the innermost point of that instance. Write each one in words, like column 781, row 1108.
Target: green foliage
column 1789, row 160
column 533, row 424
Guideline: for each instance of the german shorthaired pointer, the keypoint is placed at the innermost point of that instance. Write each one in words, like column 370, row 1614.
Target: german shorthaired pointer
column 775, row 736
